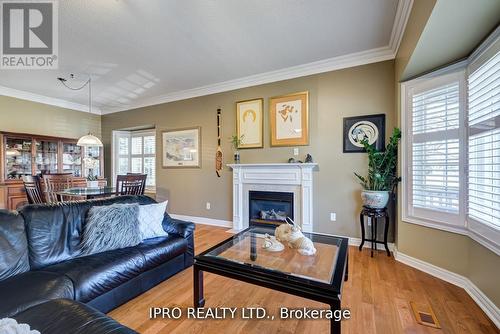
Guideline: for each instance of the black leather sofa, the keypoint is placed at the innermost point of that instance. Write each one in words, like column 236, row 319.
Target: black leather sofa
column 40, row 259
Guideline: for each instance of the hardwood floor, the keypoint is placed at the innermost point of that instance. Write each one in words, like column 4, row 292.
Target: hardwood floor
column 377, row 293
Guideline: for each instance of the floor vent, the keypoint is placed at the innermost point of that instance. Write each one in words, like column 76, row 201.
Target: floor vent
column 425, row 315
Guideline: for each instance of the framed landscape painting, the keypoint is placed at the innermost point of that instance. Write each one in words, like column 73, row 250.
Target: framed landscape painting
column 181, row 148
column 289, row 117
column 249, row 123
column 370, row 127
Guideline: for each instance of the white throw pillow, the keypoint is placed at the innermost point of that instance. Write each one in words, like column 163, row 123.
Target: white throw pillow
column 150, row 218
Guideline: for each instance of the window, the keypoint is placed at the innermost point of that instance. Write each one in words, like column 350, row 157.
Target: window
column 135, row 152
column 434, row 158
column 451, row 151
column 483, row 115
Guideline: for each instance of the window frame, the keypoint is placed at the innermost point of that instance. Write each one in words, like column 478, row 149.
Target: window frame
column 117, row 134
column 422, row 216
column 483, row 233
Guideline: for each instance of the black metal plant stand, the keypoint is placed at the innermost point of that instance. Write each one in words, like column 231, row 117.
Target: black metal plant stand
column 374, row 215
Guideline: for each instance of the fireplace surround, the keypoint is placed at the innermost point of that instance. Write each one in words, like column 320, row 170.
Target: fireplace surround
column 292, row 178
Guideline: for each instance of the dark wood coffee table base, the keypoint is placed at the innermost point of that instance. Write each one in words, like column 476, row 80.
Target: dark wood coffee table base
column 263, row 280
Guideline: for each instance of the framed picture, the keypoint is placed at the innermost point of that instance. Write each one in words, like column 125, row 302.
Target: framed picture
column 289, row 115
column 249, row 123
column 181, row 148
column 370, row 127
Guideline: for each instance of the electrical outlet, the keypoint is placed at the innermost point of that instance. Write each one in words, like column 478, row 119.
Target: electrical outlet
column 295, row 151
column 333, row 216
column 208, row 205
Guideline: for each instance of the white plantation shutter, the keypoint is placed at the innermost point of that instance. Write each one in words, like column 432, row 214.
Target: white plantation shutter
column 484, row 143
column 135, row 153
column 435, row 152
column 451, row 151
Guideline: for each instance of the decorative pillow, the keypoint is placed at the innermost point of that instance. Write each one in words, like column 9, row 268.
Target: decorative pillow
column 111, row 227
column 150, row 219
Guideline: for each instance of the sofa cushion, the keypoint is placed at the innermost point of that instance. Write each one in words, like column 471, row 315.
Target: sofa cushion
column 32, row 288
column 54, row 231
column 67, row 316
column 96, row 274
column 111, row 227
column 159, row 250
column 13, row 245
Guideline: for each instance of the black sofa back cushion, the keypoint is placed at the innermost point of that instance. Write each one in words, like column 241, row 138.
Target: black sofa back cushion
column 54, row 231
column 13, row 245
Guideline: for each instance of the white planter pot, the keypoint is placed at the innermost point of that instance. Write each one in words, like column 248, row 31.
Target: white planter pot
column 93, row 184
column 375, row 199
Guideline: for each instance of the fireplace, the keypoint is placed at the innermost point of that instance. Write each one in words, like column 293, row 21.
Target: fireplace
column 269, row 207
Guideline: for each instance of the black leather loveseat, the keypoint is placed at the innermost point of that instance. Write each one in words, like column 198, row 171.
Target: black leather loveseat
column 40, row 258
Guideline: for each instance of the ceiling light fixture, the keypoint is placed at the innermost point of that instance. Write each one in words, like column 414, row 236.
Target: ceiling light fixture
column 88, row 140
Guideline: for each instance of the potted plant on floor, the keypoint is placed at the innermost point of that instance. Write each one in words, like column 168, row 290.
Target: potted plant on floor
column 236, row 142
column 382, row 173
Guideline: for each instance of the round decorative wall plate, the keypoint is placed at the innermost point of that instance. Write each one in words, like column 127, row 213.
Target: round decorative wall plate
column 363, row 130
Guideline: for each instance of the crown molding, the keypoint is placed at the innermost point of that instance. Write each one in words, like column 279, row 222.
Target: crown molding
column 326, row 65
column 23, row 95
column 321, row 66
column 401, row 19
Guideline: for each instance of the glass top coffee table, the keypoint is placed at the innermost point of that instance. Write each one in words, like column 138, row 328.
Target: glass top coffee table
column 242, row 257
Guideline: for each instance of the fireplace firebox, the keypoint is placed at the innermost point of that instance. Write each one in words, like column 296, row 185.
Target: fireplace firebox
column 270, row 207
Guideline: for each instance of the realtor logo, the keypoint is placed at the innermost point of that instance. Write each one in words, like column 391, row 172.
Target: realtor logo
column 29, row 35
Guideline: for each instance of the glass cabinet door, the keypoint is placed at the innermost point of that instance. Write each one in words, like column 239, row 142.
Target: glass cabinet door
column 17, row 158
column 72, row 159
column 45, row 157
column 92, row 161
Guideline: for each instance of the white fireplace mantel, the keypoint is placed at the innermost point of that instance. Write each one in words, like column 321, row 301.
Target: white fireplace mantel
column 283, row 177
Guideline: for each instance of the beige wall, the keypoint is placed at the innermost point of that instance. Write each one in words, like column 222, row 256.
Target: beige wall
column 31, row 117
column 451, row 251
column 361, row 90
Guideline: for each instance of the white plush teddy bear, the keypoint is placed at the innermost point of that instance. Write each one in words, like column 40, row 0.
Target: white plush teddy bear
column 292, row 235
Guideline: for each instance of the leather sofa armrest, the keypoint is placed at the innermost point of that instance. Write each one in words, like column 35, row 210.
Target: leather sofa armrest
column 179, row 227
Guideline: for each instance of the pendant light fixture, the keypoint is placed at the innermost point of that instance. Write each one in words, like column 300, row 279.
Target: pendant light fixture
column 88, row 140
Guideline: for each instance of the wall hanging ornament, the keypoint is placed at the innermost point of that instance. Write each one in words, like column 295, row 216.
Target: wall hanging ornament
column 218, row 153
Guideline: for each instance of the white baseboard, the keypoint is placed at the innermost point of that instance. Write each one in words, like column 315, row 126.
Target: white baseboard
column 204, row 220
column 357, row 241
column 491, row 310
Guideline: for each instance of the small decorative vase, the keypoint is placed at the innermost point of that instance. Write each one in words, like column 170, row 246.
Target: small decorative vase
column 236, row 157
column 375, row 199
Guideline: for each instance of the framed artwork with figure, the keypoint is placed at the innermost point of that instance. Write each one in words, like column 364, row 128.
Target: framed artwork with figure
column 181, row 148
column 289, row 118
column 370, row 127
column 249, row 123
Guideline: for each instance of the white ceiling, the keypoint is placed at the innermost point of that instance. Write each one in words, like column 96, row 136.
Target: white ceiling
column 148, row 52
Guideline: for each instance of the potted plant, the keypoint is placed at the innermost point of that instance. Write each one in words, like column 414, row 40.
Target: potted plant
column 235, row 143
column 382, row 172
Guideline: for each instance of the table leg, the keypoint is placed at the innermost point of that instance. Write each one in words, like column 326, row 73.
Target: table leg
column 386, row 231
column 253, row 247
column 362, row 221
column 335, row 326
column 373, row 233
column 347, row 267
column 199, row 299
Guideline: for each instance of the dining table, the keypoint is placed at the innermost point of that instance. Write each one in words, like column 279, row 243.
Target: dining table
column 88, row 192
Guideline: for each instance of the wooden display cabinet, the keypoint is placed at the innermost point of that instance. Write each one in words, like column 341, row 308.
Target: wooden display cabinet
column 27, row 154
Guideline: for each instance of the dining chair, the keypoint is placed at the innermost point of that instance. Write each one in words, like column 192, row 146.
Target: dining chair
column 130, row 184
column 33, row 188
column 54, row 183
